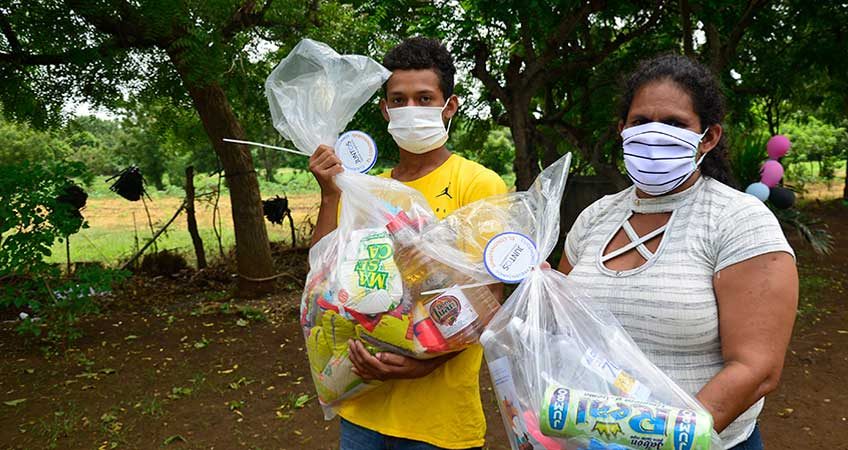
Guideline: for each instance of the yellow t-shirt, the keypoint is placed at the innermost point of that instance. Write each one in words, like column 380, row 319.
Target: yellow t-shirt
column 442, row 408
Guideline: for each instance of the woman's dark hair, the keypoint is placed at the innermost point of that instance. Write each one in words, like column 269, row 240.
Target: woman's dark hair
column 702, row 86
column 417, row 53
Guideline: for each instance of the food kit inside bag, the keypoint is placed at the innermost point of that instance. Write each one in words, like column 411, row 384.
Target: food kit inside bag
column 566, row 374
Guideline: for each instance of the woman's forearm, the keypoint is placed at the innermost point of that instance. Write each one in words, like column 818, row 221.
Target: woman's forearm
column 733, row 390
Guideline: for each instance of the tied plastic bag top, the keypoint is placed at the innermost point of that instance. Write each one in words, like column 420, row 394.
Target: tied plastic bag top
column 533, row 213
column 314, row 92
column 568, row 376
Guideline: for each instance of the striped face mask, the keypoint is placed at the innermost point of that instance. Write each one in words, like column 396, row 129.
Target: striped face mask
column 660, row 157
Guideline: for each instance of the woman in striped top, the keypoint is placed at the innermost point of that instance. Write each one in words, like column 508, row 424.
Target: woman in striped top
column 698, row 273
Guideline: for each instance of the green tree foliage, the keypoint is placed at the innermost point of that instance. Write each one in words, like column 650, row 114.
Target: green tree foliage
column 816, row 141
column 492, row 148
column 95, row 143
column 197, row 55
column 22, row 142
column 31, row 217
column 550, row 70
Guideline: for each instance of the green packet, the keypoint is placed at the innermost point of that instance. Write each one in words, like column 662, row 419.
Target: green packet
column 574, row 414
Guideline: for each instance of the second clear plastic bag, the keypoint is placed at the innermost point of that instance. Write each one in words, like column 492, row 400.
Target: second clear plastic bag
column 568, row 376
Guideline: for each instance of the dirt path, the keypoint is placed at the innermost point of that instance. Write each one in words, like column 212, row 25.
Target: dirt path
column 810, row 408
column 171, row 364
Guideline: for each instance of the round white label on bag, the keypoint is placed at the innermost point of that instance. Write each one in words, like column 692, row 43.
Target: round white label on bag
column 510, row 256
column 357, row 150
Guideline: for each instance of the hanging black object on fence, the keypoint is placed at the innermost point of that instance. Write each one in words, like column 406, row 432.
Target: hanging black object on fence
column 75, row 198
column 275, row 210
column 129, row 184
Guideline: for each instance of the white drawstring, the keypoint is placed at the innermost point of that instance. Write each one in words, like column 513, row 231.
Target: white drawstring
column 257, row 144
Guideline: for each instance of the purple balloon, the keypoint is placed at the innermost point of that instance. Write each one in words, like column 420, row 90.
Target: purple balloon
column 778, row 146
column 771, row 173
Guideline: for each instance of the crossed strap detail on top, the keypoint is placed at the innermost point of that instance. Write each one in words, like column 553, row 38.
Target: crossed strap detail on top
column 636, row 241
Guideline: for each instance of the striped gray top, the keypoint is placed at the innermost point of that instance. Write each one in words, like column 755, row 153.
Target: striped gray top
column 668, row 304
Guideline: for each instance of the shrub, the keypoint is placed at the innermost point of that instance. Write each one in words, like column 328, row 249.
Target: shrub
column 32, row 217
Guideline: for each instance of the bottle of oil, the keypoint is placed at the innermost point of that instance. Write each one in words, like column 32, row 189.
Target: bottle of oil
column 445, row 321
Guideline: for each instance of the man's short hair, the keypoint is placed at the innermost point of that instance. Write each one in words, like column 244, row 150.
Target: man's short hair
column 417, row 53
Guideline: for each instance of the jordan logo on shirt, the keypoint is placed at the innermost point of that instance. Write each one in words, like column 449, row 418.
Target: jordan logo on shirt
column 445, row 192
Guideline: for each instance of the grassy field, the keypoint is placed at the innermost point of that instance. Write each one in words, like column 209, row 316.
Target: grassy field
column 114, row 223
column 290, row 181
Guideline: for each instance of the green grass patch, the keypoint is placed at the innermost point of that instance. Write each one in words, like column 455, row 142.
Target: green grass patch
column 112, row 246
column 811, row 169
column 59, row 425
column 811, row 288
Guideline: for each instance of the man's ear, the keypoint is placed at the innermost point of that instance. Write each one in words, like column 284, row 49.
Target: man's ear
column 711, row 139
column 383, row 109
column 452, row 106
column 620, row 126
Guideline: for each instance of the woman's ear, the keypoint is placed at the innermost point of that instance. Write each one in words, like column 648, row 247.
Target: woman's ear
column 383, row 109
column 451, row 107
column 711, row 139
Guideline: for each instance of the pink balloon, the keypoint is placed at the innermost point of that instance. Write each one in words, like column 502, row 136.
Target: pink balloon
column 771, row 173
column 778, row 146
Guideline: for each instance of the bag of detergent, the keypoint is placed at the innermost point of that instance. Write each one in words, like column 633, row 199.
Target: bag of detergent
column 566, row 374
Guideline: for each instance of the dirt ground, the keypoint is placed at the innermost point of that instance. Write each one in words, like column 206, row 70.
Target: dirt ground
column 172, row 363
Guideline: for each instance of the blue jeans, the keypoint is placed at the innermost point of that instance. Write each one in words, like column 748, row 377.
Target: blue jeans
column 354, row 437
column 754, row 442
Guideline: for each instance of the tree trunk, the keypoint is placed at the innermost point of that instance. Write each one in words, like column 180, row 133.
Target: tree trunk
column 770, row 117
column 845, row 189
column 613, row 175
column 268, row 164
column 686, row 24
column 158, row 183
column 526, row 164
column 253, row 251
column 192, row 221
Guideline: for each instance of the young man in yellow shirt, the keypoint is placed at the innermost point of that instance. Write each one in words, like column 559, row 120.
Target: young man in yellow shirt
column 429, row 404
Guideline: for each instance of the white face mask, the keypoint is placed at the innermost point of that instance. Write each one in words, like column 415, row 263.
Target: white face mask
column 418, row 129
column 660, row 157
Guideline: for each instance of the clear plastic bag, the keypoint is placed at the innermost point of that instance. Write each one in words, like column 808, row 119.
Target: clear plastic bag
column 568, row 376
column 354, row 288
column 367, row 277
column 313, row 93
